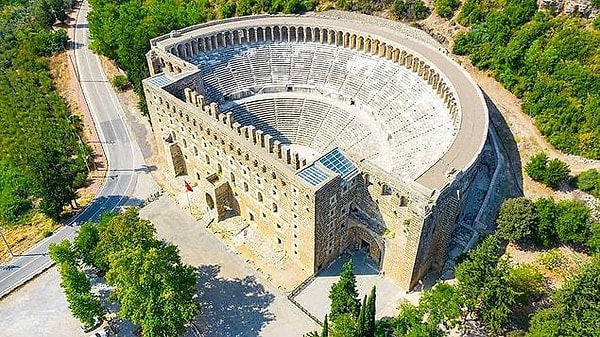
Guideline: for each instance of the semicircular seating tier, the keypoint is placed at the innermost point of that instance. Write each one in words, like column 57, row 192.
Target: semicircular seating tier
column 373, row 108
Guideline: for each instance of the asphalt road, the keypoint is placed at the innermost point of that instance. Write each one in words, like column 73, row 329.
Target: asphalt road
column 127, row 181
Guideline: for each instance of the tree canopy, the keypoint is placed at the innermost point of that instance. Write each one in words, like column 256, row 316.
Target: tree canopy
column 516, row 219
column 575, row 308
column 550, row 61
column 40, row 148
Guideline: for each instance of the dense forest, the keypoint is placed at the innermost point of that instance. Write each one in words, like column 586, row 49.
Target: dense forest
column 551, row 61
column 41, row 153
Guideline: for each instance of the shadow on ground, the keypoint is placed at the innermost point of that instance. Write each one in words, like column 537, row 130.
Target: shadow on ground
column 231, row 307
column 361, row 262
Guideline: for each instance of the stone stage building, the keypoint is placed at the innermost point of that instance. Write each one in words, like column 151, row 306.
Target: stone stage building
column 328, row 131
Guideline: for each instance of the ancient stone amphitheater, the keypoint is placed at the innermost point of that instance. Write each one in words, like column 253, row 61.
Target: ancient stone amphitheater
column 326, row 132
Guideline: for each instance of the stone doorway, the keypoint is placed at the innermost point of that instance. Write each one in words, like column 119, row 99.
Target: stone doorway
column 210, row 203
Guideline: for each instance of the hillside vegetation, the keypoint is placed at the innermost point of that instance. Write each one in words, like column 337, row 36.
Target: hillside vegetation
column 41, row 154
column 551, row 62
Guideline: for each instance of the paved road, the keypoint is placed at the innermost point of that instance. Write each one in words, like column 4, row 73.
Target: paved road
column 128, row 180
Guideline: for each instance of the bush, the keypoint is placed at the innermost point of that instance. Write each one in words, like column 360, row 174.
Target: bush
column 593, row 241
column 516, row 219
column 47, row 233
column 556, row 172
column 572, row 224
column 545, row 232
column 552, row 259
column 120, row 82
column 446, row 8
column 526, row 280
column 550, row 173
column 536, row 166
column 589, row 181
column 411, row 9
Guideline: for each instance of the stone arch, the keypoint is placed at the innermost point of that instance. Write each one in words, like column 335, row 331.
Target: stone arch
column 359, row 43
column 276, row 33
column 210, row 202
column 308, row 36
column 367, row 46
column 285, row 34
column 260, row 34
column 300, row 34
column 180, row 50
column 194, row 47
column 293, row 34
column 316, row 34
column 339, row 38
column 268, row 34
column 362, row 238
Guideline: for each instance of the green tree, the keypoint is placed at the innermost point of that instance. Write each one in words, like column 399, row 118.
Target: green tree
column 556, row 172
column 575, row 308
column 14, row 194
column 545, row 231
column 411, row 9
column 516, row 219
column 446, row 8
column 118, row 232
column 85, row 243
column 572, row 224
column 483, row 283
column 63, row 253
column 343, row 294
column 154, row 289
column 370, row 312
column 443, row 305
column 536, row 166
column 83, row 304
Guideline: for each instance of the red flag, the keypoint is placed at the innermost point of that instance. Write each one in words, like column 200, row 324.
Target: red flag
column 188, row 186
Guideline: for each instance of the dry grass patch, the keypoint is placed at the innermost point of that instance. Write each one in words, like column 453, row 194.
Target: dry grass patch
column 29, row 232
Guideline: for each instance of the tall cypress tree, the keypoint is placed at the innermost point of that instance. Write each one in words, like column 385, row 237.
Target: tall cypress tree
column 361, row 321
column 325, row 332
column 369, row 329
column 343, row 294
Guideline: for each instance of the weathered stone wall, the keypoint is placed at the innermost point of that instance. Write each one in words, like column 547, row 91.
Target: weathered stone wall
column 259, row 171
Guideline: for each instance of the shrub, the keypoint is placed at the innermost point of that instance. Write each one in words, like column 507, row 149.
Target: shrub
column 589, row 181
column 545, row 232
column 572, row 222
column 120, row 82
column 516, row 219
column 526, row 280
column 550, row 173
column 536, row 166
column 593, row 241
column 446, row 8
column 556, row 172
column 47, row 233
column 411, row 9
column 552, row 259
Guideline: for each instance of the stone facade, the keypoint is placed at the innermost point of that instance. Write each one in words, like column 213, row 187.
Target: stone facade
column 403, row 224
